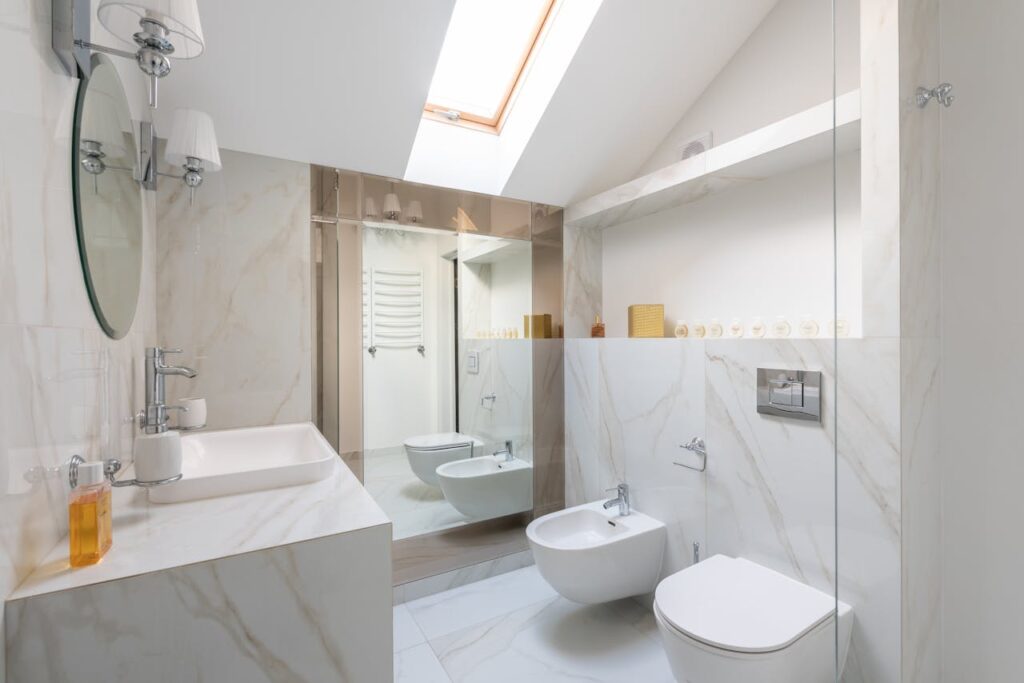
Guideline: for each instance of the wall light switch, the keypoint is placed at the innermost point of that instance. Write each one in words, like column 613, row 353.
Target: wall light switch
column 473, row 362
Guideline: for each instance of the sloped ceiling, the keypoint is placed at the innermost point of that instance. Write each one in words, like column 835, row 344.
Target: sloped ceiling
column 640, row 67
column 334, row 82
column 343, row 83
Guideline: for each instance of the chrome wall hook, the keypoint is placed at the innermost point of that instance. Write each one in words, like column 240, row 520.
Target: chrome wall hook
column 943, row 94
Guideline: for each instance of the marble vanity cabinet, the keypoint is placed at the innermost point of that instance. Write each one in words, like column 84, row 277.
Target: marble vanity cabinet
column 292, row 584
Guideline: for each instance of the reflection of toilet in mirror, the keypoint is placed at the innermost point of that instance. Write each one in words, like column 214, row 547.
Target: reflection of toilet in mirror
column 429, row 451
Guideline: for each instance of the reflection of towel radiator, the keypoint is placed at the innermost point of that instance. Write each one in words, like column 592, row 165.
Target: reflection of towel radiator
column 393, row 310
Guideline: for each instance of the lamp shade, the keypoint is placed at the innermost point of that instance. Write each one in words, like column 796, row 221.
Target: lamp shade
column 391, row 205
column 180, row 17
column 415, row 211
column 192, row 136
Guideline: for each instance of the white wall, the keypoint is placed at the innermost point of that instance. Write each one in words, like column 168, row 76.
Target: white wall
column 785, row 66
column 233, row 280
column 67, row 388
column 404, row 393
column 762, row 250
column 982, row 366
column 510, row 290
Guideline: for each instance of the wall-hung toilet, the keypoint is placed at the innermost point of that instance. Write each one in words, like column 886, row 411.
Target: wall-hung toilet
column 728, row 619
column 428, row 452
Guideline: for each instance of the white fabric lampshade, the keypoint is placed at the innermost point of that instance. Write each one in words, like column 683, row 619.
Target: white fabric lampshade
column 415, row 211
column 192, row 135
column 181, row 17
column 391, row 204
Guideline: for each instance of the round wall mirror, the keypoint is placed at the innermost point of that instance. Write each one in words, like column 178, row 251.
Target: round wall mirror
column 108, row 198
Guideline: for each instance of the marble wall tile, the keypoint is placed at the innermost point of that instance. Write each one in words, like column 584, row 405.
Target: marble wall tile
column 586, row 472
column 439, row 583
column 920, row 291
column 235, row 267
column 290, row 613
column 68, row 388
column 880, row 166
column 582, row 272
column 630, row 403
column 773, row 483
column 769, row 493
column 651, row 401
column 548, row 425
column 505, row 371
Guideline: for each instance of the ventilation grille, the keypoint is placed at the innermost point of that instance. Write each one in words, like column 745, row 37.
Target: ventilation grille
column 695, row 145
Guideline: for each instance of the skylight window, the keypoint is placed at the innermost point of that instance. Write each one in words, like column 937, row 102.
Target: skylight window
column 485, row 51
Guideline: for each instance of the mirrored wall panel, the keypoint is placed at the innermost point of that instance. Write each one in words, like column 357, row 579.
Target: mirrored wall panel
column 446, row 376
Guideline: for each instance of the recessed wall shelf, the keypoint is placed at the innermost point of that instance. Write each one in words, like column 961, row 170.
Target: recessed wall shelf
column 791, row 143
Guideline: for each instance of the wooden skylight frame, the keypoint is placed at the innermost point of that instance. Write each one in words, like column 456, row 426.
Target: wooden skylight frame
column 495, row 123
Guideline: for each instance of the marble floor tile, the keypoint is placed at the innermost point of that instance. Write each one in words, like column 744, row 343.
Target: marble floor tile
column 419, row 664
column 413, row 507
column 475, row 603
column 407, row 632
column 553, row 641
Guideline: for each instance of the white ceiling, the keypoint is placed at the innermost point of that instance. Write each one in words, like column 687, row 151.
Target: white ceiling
column 333, row 82
column 343, row 83
column 640, row 67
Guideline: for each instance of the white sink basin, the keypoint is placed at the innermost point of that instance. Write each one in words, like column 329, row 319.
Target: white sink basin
column 487, row 486
column 592, row 555
column 222, row 463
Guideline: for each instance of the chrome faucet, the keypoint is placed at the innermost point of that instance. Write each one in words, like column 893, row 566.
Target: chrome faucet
column 621, row 499
column 153, row 419
column 507, row 452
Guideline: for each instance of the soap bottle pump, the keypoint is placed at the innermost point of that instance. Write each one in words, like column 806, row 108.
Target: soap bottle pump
column 90, row 528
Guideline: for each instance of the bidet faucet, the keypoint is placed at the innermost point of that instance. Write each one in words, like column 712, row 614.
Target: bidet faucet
column 507, row 452
column 621, row 499
column 153, row 418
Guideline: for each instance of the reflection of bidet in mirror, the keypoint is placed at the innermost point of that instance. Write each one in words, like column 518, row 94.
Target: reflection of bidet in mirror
column 488, row 486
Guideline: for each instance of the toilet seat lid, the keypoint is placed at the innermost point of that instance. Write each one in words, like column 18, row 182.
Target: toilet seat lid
column 431, row 442
column 738, row 605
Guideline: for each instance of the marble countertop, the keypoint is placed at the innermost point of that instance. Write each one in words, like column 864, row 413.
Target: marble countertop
column 150, row 537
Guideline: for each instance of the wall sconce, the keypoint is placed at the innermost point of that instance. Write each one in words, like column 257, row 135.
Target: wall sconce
column 392, row 208
column 159, row 29
column 415, row 212
column 370, row 210
column 192, row 145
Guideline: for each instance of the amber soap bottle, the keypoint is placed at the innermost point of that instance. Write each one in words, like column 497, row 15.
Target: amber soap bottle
column 90, row 528
column 597, row 329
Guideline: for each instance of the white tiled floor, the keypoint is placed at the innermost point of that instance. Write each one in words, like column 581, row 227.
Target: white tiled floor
column 514, row 627
column 414, row 507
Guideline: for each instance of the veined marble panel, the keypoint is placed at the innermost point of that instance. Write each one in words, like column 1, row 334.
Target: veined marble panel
column 150, row 537
column 414, row 590
column 651, row 402
column 920, row 291
column 67, row 387
column 772, row 482
column 630, row 403
column 587, row 472
column 880, row 166
column 505, row 371
column 290, row 613
column 548, row 425
column 232, row 268
column 582, row 273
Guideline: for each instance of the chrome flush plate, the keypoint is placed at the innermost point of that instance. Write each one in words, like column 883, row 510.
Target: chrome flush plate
column 795, row 394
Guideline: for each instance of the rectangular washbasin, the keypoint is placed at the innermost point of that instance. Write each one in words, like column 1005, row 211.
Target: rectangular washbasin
column 222, row 463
